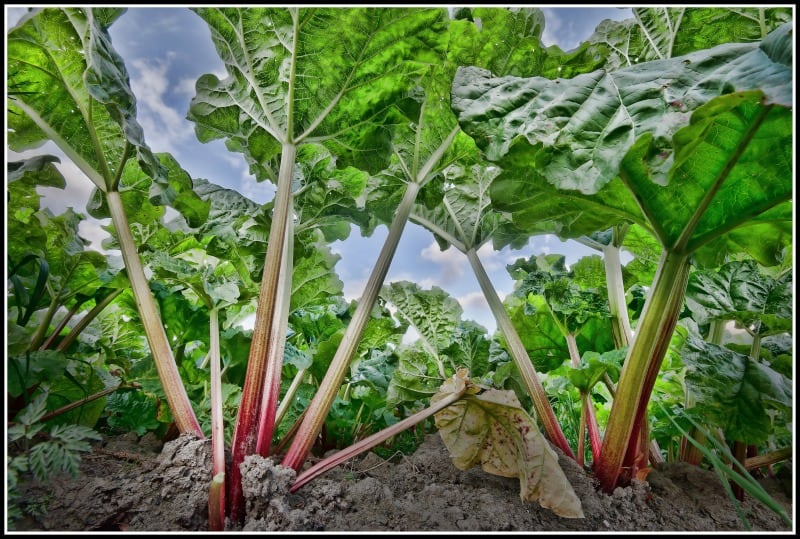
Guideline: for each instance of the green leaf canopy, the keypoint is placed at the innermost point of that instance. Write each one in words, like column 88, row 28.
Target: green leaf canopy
column 311, row 75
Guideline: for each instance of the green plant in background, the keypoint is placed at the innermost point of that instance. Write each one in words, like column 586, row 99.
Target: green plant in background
column 689, row 195
column 462, row 124
column 731, row 469
column 41, row 449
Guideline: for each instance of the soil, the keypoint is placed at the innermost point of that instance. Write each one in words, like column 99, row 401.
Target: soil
column 140, row 485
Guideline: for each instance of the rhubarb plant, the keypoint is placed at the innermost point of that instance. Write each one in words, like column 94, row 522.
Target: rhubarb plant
column 71, row 87
column 295, row 77
column 644, row 138
column 639, row 163
column 429, row 144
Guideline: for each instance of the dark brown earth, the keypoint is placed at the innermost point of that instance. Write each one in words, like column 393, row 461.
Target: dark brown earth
column 134, row 485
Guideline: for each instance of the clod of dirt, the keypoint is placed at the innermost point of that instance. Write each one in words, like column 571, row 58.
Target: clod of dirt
column 125, row 485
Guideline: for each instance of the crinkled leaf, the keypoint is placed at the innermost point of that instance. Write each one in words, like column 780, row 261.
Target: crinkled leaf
column 570, row 304
column 433, row 313
column 507, row 41
column 568, row 143
column 470, row 348
column 666, row 32
column 132, row 411
column 328, row 73
column 463, row 216
column 425, row 147
column 314, row 280
column 575, row 307
column 416, row 377
column 25, row 222
column 382, row 330
column 292, row 355
column 579, row 129
column 589, row 272
column 121, row 336
column 375, row 370
column 236, row 229
column 71, row 86
column 734, row 390
column 72, row 269
column 326, row 198
column 739, row 291
column 544, row 339
column 493, row 430
column 188, row 267
column 719, row 178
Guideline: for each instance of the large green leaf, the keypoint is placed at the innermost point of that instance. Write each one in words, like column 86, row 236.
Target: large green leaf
column 311, row 74
column 71, row 87
column 739, row 291
column 433, row 313
column 32, row 368
column 571, row 305
column 326, row 198
column 665, row 32
column 735, row 391
column 236, row 229
column 463, row 216
column 493, row 430
column 424, row 147
column 26, row 222
column 120, row 335
column 375, row 370
column 314, row 281
column 543, row 337
column 73, row 269
column 592, row 368
column 720, row 177
column 508, row 41
column 575, row 132
column 470, row 349
column 430, row 145
column 417, row 376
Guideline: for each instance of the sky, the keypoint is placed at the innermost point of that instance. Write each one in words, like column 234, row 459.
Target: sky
column 166, row 49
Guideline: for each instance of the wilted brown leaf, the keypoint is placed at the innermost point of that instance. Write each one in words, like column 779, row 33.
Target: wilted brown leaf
column 492, row 429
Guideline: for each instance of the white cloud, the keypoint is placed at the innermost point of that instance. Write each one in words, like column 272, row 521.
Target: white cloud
column 473, row 301
column 450, row 261
column 394, row 277
column 185, row 87
column 495, row 260
column 353, row 289
column 165, row 127
column 553, row 28
column 91, row 230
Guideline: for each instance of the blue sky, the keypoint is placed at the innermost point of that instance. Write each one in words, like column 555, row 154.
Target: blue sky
column 166, row 49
